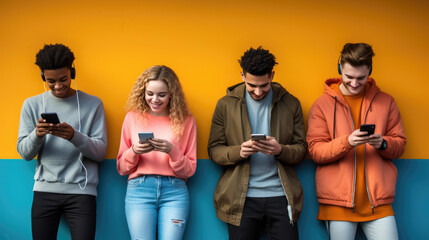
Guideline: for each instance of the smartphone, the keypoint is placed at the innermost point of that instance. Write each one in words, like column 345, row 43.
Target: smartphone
column 367, row 128
column 144, row 136
column 257, row 137
column 51, row 117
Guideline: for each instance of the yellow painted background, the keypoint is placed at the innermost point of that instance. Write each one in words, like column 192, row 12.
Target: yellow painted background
column 114, row 41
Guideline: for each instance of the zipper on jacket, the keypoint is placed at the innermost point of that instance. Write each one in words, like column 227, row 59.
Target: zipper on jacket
column 354, row 174
column 335, row 114
column 366, row 182
column 366, row 173
column 354, row 177
column 289, row 207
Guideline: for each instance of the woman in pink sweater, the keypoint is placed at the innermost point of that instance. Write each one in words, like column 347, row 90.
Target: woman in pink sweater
column 157, row 199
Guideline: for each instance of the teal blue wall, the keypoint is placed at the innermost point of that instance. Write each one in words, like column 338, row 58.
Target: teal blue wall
column 16, row 182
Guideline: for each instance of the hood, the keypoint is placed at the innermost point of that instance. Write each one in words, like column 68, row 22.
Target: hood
column 371, row 89
column 238, row 91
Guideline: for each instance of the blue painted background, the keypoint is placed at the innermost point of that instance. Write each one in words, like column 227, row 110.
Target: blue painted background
column 16, row 183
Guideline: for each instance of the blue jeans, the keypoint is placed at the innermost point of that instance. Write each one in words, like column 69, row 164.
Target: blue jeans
column 156, row 206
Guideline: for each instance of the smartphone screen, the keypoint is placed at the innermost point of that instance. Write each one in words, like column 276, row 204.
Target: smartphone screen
column 367, row 128
column 144, row 136
column 51, row 118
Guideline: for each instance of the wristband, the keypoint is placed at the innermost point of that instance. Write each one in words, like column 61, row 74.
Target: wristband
column 383, row 146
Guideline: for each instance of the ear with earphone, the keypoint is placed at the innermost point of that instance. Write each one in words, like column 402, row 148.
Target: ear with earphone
column 340, row 67
column 72, row 73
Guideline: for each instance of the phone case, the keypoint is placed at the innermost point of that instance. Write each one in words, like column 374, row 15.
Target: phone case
column 144, row 136
column 51, row 118
column 367, row 128
column 257, row 137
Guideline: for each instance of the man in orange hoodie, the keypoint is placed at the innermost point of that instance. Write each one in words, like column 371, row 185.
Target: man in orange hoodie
column 355, row 177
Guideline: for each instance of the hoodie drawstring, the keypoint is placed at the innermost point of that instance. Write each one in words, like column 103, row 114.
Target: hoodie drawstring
column 335, row 111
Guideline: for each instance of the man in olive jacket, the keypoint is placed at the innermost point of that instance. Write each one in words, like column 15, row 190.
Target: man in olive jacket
column 258, row 189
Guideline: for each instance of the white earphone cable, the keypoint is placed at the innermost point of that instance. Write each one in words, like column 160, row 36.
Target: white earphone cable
column 78, row 114
column 43, row 97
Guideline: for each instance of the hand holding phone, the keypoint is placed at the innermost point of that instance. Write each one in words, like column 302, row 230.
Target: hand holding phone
column 270, row 146
column 161, row 145
column 246, row 149
column 143, row 146
column 356, row 138
column 45, row 124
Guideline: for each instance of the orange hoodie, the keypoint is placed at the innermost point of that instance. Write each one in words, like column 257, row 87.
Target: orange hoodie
column 329, row 125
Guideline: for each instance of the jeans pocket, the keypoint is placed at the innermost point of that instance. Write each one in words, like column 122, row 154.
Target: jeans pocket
column 134, row 182
column 177, row 182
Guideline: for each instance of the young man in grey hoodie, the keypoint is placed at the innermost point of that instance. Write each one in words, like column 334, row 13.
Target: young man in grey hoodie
column 67, row 153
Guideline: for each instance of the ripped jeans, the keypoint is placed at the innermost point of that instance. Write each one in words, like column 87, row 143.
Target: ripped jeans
column 156, row 206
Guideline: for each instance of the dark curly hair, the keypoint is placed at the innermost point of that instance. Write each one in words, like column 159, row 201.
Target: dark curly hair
column 257, row 61
column 54, row 56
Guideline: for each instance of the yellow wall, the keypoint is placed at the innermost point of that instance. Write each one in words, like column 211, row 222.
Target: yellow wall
column 114, row 41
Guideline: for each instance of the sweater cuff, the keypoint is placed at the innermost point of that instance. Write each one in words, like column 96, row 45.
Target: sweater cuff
column 234, row 153
column 283, row 153
column 345, row 144
column 78, row 138
column 130, row 154
column 35, row 139
column 175, row 153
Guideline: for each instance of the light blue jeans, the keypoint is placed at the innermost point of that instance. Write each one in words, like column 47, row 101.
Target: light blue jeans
column 379, row 229
column 157, row 206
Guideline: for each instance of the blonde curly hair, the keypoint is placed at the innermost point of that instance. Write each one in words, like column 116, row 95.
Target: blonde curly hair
column 177, row 107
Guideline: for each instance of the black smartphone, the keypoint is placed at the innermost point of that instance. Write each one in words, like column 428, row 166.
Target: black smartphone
column 367, row 128
column 51, row 118
column 257, row 137
column 144, row 136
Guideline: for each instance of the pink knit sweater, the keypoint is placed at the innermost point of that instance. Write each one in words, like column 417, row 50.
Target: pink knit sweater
column 180, row 162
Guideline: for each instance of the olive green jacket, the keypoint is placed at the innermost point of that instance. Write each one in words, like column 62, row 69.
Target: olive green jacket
column 231, row 127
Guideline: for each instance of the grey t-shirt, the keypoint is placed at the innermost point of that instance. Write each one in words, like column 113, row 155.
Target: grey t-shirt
column 264, row 180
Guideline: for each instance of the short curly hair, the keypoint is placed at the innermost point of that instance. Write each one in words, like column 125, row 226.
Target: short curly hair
column 257, row 62
column 54, row 56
